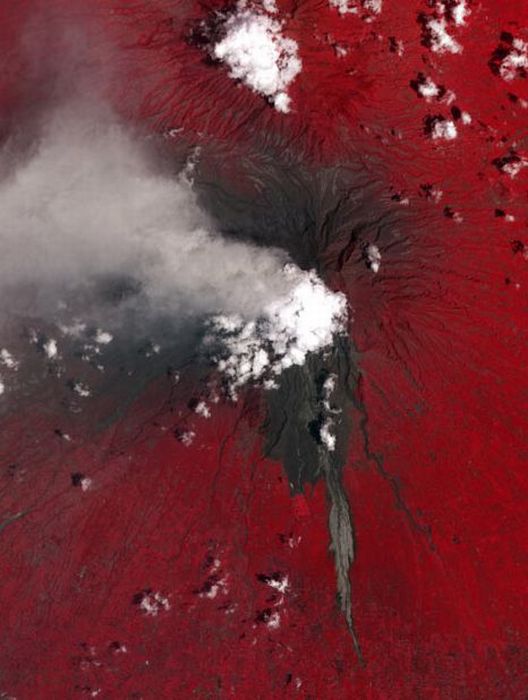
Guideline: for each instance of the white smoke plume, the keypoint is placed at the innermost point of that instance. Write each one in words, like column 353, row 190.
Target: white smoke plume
column 88, row 204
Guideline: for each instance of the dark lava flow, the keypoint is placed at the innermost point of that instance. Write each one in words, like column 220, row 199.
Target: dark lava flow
column 293, row 435
column 307, row 214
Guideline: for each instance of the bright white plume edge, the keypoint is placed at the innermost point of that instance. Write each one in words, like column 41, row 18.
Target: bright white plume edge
column 304, row 320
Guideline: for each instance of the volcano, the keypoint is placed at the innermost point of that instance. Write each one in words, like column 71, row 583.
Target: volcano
column 262, row 334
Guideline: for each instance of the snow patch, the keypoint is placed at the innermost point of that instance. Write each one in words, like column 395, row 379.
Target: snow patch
column 257, row 53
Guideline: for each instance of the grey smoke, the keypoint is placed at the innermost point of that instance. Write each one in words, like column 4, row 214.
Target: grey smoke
column 89, row 205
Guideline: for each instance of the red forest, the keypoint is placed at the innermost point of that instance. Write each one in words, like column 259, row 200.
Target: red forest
column 139, row 564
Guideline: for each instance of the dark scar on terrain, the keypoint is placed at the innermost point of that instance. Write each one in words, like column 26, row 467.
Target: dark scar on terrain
column 307, row 214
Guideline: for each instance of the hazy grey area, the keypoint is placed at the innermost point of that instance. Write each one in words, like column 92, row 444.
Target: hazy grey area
column 87, row 208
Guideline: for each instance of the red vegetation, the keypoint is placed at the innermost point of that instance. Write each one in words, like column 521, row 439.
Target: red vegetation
column 437, row 476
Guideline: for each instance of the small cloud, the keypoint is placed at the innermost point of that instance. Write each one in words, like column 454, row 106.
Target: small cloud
column 7, row 359
column 81, row 389
column 151, row 603
column 103, row 337
column 258, row 54
column 373, row 257
column 50, row 349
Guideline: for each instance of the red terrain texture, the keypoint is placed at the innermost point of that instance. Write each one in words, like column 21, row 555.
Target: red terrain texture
column 157, row 581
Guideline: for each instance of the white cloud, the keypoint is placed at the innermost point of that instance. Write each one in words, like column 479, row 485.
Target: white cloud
column 269, row 5
column 459, row 12
column 373, row 257
column 50, row 349
column 428, row 89
column 82, row 390
column 75, row 329
column 7, row 359
column 153, row 603
column 257, row 53
column 328, row 389
column 202, row 409
column 219, row 586
column 86, row 483
column 327, row 436
column 280, row 584
column 447, row 15
column 444, row 129
column 103, row 337
column 273, row 622
column 353, row 6
column 513, row 168
column 441, row 40
column 303, row 320
column 326, row 432
column 187, row 437
column 515, row 62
